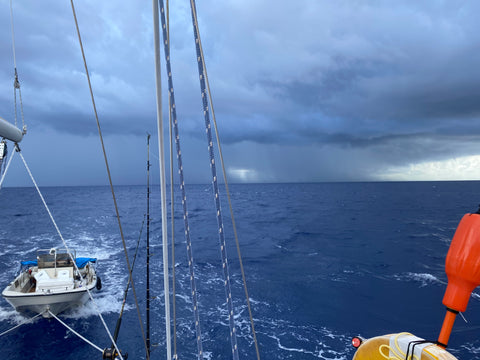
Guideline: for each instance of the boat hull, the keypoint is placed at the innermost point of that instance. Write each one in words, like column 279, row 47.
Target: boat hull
column 43, row 303
column 51, row 284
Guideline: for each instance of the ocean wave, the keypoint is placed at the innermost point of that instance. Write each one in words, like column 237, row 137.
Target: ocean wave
column 11, row 316
column 302, row 302
column 108, row 303
column 319, row 343
column 472, row 348
column 475, row 296
column 317, row 353
column 424, row 279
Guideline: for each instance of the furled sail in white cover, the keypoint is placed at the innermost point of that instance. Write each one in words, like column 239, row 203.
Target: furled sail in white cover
column 10, row 132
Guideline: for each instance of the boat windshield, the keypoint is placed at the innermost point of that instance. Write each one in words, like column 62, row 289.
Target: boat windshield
column 54, row 259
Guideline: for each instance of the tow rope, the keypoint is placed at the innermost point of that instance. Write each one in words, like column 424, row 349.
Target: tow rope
column 29, row 320
column 66, row 247
column 76, row 333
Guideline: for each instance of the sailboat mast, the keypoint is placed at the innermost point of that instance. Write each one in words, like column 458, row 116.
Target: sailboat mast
column 163, row 191
column 148, row 248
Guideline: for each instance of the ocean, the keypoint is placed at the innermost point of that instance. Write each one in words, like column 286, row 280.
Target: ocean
column 324, row 262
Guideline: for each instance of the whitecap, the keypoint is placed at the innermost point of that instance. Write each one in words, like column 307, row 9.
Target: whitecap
column 424, row 279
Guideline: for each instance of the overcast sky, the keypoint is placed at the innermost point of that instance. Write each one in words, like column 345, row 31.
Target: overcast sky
column 304, row 90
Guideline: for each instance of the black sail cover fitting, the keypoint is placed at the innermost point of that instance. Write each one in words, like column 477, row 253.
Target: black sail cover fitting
column 112, row 354
column 3, row 156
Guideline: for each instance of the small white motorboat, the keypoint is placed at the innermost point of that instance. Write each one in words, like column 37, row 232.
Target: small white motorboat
column 55, row 282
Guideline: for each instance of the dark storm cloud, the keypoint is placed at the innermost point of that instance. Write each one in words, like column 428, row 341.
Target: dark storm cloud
column 380, row 83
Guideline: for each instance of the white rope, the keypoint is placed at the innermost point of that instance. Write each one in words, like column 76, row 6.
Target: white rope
column 76, row 333
column 6, row 169
column 66, row 247
column 22, row 323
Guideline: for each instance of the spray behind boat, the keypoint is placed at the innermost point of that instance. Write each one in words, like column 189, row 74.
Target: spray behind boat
column 462, row 267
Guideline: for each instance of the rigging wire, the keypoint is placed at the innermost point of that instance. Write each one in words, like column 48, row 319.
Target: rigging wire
column 221, row 232
column 13, row 35
column 109, row 175
column 182, row 185
column 195, row 20
column 172, row 202
column 148, row 249
column 16, row 83
column 119, row 320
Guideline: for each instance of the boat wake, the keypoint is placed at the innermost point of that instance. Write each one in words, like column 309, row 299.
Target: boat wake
column 8, row 316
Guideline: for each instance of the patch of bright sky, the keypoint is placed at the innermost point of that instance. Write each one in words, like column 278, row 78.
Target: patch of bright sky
column 243, row 175
column 459, row 168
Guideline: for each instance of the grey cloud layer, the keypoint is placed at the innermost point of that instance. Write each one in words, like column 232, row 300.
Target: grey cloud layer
column 343, row 76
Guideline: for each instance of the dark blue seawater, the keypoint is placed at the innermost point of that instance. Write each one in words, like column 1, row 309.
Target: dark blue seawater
column 324, row 262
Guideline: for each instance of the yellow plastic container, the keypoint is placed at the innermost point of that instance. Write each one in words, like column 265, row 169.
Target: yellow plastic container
column 396, row 346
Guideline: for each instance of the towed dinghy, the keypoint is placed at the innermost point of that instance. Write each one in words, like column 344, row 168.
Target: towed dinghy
column 57, row 281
